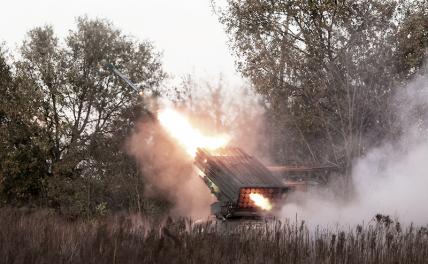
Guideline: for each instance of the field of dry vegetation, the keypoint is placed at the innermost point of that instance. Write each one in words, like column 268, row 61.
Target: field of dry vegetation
column 41, row 237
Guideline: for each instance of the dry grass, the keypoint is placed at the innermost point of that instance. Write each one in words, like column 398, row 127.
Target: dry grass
column 44, row 238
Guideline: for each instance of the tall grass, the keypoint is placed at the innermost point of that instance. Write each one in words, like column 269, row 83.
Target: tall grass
column 40, row 237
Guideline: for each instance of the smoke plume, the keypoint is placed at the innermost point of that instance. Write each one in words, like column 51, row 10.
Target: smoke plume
column 390, row 180
column 169, row 171
column 167, row 168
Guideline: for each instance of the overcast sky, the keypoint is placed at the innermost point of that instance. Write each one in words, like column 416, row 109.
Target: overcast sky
column 187, row 32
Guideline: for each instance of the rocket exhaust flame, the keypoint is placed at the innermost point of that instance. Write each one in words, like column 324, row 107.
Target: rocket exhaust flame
column 180, row 128
column 243, row 186
column 193, row 141
column 261, row 201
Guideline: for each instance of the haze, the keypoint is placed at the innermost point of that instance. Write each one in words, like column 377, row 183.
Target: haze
column 187, row 32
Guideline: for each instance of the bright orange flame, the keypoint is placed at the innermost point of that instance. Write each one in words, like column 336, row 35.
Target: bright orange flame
column 261, row 201
column 179, row 127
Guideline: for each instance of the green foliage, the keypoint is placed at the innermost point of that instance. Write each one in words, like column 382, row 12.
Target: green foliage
column 327, row 70
column 65, row 118
column 413, row 38
column 22, row 160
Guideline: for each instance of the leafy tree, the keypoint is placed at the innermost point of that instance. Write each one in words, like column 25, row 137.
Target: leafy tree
column 84, row 113
column 326, row 69
column 22, row 159
column 413, row 38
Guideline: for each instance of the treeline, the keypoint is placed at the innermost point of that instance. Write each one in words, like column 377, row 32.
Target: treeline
column 327, row 72
column 64, row 119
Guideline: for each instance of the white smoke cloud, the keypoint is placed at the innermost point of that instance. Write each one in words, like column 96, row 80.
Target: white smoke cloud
column 213, row 109
column 168, row 172
column 390, row 180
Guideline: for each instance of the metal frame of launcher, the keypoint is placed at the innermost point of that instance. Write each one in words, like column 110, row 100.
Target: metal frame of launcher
column 232, row 175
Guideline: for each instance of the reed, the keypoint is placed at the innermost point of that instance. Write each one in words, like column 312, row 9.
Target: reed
column 42, row 237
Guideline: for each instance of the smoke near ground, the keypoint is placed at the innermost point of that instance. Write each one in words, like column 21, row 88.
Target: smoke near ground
column 391, row 179
column 169, row 171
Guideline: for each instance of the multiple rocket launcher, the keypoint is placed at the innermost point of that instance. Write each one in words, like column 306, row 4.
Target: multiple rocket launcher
column 244, row 187
column 234, row 177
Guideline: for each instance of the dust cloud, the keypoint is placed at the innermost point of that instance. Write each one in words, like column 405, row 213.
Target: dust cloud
column 389, row 180
column 169, row 171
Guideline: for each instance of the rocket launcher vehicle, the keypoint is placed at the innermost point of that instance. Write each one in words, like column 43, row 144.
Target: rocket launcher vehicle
column 244, row 187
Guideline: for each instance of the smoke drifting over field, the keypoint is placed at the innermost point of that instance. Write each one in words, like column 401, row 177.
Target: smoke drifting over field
column 390, row 180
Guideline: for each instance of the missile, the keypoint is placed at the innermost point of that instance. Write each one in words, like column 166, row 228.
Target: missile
column 124, row 78
column 134, row 87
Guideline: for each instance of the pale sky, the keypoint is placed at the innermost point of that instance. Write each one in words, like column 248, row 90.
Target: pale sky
column 187, row 32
